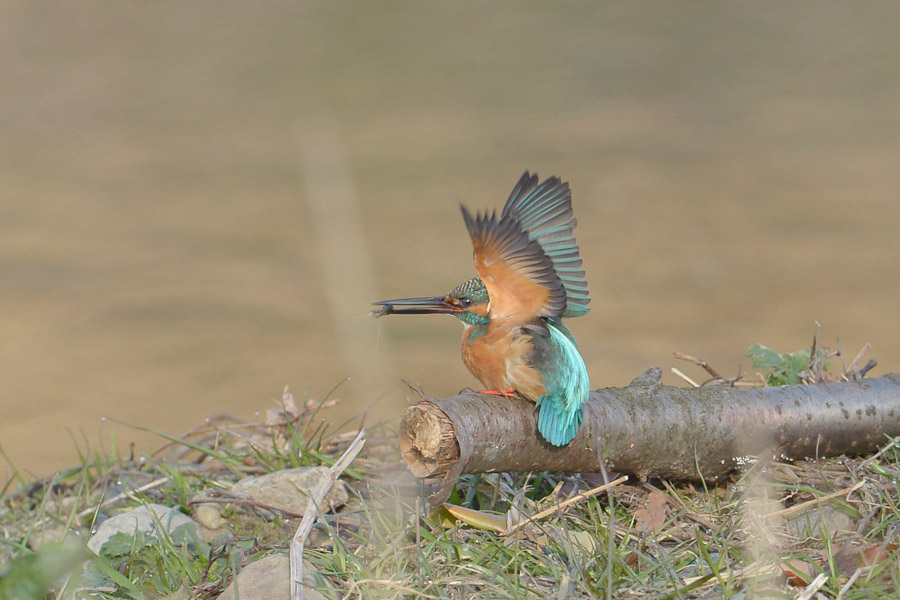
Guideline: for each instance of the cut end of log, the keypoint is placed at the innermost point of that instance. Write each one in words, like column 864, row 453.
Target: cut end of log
column 428, row 440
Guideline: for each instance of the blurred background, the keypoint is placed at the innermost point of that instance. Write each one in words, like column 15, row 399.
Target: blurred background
column 198, row 202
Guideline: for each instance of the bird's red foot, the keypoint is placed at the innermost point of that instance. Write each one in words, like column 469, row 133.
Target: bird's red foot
column 505, row 393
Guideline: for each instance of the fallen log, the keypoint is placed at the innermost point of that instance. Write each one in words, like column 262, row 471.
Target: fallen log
column 648, row 429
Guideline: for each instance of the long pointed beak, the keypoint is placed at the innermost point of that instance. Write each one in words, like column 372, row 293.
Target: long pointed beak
column 414, row 306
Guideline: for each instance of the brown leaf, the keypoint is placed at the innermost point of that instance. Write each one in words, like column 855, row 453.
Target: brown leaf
column 875, row 554
column 652, row 516
column 849, row 558
column 798, row 572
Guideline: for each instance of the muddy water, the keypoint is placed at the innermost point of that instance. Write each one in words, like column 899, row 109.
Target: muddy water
column 197, row 203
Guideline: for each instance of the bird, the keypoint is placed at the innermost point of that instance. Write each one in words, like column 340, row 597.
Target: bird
column 529, row 278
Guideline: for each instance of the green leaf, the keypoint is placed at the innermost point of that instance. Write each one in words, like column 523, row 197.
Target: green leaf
column 788, row 372
column 763, row 357
column 784, row 369
column 120, row 544
column 101, row 573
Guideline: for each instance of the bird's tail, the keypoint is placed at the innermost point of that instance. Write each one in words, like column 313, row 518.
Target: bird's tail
column 566, row 387
column 558, row 420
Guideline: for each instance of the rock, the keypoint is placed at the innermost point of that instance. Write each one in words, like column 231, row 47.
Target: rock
column 811, row 523
column 290, row 489
column 269, row 578
column 140, row 519
column 63, row 505
column 53, row 533
column 179, row 594
column 208, row 515
column 212, row 526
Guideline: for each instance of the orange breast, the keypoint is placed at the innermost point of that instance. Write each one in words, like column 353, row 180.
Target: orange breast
column 500, row 360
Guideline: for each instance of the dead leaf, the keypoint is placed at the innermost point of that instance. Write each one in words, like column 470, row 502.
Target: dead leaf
column 798, row 572
column 875, row 554
column 652, row 516
column 586, row 540
column 476, row 518
column 848, row 558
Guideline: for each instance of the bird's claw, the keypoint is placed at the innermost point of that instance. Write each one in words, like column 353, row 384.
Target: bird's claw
column 508, row 392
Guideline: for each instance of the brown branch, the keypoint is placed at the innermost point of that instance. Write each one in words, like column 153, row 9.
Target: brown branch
column 651, row 430
column 700, row 363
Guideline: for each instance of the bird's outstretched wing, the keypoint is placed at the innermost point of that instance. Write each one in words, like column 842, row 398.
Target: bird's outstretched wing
column 544, row 211
column 521, row 281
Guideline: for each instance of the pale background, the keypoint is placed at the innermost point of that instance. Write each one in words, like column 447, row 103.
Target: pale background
column 198, row 201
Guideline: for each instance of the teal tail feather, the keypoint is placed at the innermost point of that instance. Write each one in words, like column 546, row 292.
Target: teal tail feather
column 561, row 408
column 556, row 422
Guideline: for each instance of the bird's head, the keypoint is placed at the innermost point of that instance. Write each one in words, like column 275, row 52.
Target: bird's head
column 468, row 302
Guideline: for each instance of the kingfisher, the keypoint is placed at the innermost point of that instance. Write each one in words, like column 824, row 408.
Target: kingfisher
column 529, row 277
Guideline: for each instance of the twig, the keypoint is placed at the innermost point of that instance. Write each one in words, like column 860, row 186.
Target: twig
column 231, row 497
column 869, row 366
column 740, row 376
column 840, row 353
column 312, row 512
column 894, row 443
column 846, row 587
column 756, row 569
column 569, row 502
column 855, row 363
column 813, row 359
column 814, row 586
column 700, row 363
column 416, row 390
column 815, row 501
column 685, row 377
column 129, row 494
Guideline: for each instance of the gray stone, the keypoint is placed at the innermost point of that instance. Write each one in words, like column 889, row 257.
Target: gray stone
column 53, row 533
column 819, row 520
column 142, row 519
column 269, row 578
column 208, row 515
column 213, row 527
column 290, row 489
column 179, row 594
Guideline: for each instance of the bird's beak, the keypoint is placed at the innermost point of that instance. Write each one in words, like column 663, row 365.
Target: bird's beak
column 415, row 306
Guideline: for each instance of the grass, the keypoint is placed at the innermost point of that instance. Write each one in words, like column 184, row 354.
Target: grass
column 767, row 532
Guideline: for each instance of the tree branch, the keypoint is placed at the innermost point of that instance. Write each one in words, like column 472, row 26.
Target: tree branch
column 651, row 430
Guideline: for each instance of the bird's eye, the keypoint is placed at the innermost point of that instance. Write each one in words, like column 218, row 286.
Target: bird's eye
column 466, row 302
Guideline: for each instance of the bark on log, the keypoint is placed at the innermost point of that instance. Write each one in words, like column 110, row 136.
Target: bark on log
column 651, row 430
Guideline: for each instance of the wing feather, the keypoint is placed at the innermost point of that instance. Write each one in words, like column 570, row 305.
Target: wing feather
column 544, row 212
column 520, row 278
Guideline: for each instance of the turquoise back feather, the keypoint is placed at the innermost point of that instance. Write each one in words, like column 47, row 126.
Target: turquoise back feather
column 544, row 211
column 566, row 383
